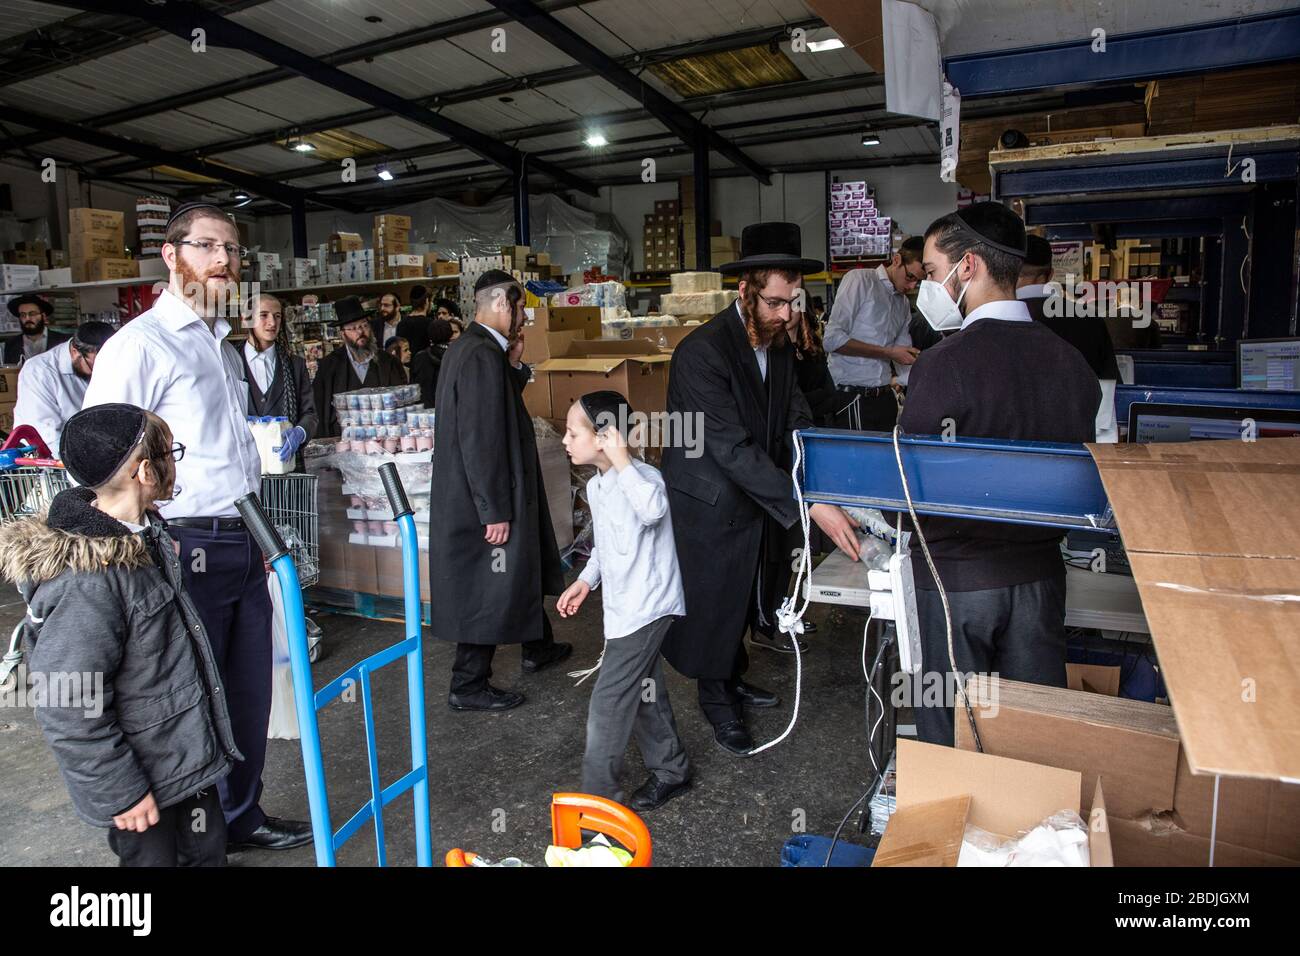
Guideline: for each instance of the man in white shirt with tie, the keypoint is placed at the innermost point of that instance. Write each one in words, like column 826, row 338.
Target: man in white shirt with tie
column 52, row 385
column 169, row 361
column 867, row 332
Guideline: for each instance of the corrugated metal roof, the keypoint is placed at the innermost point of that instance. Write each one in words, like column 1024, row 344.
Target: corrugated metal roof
column 24, row 15
column 281, row 104
column 319, row 28
column 432, row 68
column 138, row 74
column 620, row 26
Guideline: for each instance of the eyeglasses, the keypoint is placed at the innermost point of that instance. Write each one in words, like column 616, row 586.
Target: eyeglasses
column 177, row 451
column 778, row 304
column 208, row 247
column 915, row 280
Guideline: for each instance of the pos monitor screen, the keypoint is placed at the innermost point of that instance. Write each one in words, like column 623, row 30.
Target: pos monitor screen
column 1150, row 422
column 1269, row 364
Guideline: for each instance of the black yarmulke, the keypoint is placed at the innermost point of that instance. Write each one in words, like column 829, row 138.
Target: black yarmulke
column 97, row 441
column 493, row 277
column 1038, row 251
column 605, row 408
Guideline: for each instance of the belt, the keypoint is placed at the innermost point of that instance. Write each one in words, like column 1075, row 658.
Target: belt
column 209, row 524
column 868, row 390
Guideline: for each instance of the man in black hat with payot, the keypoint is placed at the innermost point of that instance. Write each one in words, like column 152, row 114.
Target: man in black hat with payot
column 492, row 550
column 32, row 313
column 732, row 503
column 998, row 375
column 360, row 363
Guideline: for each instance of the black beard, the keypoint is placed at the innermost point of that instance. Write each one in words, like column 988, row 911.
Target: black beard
column 33, row 333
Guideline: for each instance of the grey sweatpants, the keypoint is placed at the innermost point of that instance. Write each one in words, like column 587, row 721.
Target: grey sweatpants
column 630, row 697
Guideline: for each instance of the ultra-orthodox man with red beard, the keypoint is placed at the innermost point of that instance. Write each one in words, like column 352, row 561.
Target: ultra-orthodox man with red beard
column 732, row 502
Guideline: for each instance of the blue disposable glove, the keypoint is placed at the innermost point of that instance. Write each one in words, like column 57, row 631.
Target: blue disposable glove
column 293, row 440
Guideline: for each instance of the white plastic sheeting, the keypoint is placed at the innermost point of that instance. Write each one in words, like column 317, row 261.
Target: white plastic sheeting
column 575, row 238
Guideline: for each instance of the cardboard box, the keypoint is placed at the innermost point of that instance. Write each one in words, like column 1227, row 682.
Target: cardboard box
column 345, row 241
column 83, row 246
column 86, row 220
column 537, row 393
column 557, row 481
column 8, row 384
column 569, row 318
column 390, row 221
column 541, row 344
column 1209, row 540
column 7, row 417
column 940, row 790
column 445, row 269
column 1160, row 812
column 670, row 334
column 407, row 259
column 517, row 254
column 97, row 270
column 627, row 367
column 19, row 258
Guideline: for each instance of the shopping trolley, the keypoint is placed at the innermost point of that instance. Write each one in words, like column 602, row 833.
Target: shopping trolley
column 290, row 503
column 307, row 702
column 29, row 480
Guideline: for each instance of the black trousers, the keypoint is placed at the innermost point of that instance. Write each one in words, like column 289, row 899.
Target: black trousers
column 189, row 833
column 1016, row 632
column 226, row 579
column 472, row 665
column 718, row 698
column 862, row 412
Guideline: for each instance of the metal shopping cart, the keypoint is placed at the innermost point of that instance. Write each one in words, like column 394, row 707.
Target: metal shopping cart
column 290, row 502
column 307, row 702
column 29, row 480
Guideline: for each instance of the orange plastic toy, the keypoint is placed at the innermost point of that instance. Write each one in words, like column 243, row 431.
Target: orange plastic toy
column 571, row 813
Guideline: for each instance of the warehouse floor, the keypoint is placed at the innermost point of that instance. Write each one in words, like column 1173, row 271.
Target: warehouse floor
column 492, row 775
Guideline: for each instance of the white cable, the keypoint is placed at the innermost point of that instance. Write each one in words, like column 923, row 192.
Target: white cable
column 789, row 621
column 943, row 595
column 871, row 731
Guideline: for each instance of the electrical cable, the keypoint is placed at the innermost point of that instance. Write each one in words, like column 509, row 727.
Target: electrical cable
column 943, row 595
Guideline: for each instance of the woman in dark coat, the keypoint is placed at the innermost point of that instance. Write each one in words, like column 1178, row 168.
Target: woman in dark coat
column 288, row 393
column 492, row 550
column 426, row 363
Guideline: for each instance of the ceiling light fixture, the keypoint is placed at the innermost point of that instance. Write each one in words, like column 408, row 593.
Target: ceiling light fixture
column 596, row 140
column 383, row 173
column 302, row 146
column 870, row 139
column 821, row 46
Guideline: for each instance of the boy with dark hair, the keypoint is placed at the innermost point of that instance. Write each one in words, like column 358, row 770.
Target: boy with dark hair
column 103, row 587
column 1001, row 375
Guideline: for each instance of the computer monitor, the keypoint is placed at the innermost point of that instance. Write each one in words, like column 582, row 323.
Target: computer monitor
column 1269, row 364
column 1150, row 422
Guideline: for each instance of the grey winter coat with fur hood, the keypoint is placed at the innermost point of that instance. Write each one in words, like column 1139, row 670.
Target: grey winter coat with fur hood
column 104, row 601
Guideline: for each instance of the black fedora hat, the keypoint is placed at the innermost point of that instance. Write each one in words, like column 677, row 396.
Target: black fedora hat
column 771, row 245
column 46, row 308
column 349, row 309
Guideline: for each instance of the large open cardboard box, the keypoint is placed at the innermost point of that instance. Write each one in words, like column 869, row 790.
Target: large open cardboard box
column 940, row 790
column 631, row 368
column 1161, row 813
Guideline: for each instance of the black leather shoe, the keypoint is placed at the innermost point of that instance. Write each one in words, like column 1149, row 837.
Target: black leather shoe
column 275, row 834
column 734, row 736
column 491, row 699
column 809, row 627
column 778, row 641
column 654, row 793
column 557, row 652
column 753, row 696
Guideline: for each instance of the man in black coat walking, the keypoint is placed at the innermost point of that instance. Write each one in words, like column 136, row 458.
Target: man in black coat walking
column 733, row 500
column 360, row 363
column 492, row 551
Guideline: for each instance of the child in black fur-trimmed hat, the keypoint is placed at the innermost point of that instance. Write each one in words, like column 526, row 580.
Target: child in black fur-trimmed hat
column 634, row 557
column 142, row 734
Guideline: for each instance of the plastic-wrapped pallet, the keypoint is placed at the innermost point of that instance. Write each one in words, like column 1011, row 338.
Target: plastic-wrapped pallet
column 696, row 303
column 684, row 282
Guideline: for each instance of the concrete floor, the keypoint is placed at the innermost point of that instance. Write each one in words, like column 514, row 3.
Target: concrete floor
column 492, row 776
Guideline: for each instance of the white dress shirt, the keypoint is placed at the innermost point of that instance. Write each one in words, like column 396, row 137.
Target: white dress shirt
column 49, row 393
column 1038, row 290
column 168, row 362
column 760, row 351
column 869, row 309
column 632, row 549
column 261, row 364
column 390, row 332
column 1008, row 310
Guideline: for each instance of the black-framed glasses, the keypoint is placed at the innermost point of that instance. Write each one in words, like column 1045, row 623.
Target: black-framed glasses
column 177, row 452
column 774, row 304
column 915, row 280
column 208, row 247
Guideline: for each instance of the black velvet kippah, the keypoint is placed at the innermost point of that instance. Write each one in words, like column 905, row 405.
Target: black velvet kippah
column 493, row 277
column 606, row 408
column 97, row 441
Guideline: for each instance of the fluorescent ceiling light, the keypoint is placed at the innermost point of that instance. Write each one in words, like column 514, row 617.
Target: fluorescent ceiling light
column 302, row 146
column 870, row 139
column 383, row 173
column 596, row 140
column 820, row 46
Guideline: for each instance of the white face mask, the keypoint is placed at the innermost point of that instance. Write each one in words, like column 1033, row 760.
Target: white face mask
column 937, row 305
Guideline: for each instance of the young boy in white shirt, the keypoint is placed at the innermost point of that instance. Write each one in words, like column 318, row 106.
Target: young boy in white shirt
column 633, row 554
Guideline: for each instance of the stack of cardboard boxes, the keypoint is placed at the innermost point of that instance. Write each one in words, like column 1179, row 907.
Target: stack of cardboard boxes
column 97, row 246
column 8, row 396
column 347, row 260
column 661, row 240
column 721, row 248
column 151, row 215
column 393, row 258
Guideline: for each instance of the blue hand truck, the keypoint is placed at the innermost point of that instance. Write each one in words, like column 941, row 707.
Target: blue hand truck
column 308, row 702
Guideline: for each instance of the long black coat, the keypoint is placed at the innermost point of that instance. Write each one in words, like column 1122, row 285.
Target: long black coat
column 486, row 470
column 335, row 374
column 13, row 346
column 732, row 504
column 425, row 366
